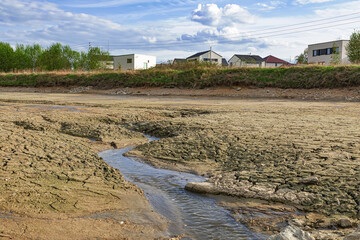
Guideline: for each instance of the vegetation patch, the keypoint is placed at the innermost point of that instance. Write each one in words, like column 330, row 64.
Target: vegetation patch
column 196, row 77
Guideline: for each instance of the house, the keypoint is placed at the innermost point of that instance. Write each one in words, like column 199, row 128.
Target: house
column 271, row 61
column 134, row 62
column 206, row 56
column 246, row 61
column 179, row 60
column 324, row 54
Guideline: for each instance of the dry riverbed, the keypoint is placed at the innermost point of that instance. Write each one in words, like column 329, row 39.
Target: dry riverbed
column 305, row 156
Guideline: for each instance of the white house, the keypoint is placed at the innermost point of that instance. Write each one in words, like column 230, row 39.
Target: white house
column 271, row 62
column 134, row 62
column 206, row 56
column 322, row 53
column 246, row 61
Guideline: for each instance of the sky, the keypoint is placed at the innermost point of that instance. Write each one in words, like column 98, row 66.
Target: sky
column 171, row 29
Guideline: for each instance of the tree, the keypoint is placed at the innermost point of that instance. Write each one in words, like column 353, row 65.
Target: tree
column 302, row 58
column 6, row 57
column 33, row 52
column 21, row 59
column 72, row 56
column 53, row 58
column 353, row 48
column 335, row 56
column 95, row 57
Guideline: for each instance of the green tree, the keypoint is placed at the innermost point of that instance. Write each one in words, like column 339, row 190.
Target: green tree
column 95, row 57
column 34, row 52
column 82, row 62
column 6, row 57
column 53, row 58
column 353, row 48
column 302, row 58
column 335, row 56
column 73, row 57
column 22, row 60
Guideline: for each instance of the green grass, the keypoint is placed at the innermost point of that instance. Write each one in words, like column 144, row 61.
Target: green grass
column 197, row 77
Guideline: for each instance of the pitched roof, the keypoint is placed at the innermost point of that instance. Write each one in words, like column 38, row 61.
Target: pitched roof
column 201, row 53
column 272, row 59
column 179, row 60
column 250, row 58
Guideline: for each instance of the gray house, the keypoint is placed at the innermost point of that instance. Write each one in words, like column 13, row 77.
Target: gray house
column 206, row 56
column 322, row 53
column 246, row 61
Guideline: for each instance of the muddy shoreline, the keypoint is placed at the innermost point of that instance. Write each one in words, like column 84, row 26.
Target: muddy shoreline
column 301, row 153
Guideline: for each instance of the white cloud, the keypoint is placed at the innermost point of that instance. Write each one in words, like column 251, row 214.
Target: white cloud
column 44, row 23
column 312, row 1
column 212, row 15
column 264, row 6
column 270, row 6
column 339, row 9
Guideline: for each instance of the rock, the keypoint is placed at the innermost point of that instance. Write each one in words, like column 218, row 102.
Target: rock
column 113, row 144
column 310, row 181
column 344, row 223
column 204, row 187
column 238, row 89
column 292, row 232
column 354, row 236
column 297, row 222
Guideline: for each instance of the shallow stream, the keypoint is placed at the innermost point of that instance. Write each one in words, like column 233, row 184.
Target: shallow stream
column 196, row 216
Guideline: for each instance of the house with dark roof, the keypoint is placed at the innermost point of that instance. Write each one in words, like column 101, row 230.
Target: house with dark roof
column 239, row 60
column 271, row 61
column 206, row 56
column 179, row 60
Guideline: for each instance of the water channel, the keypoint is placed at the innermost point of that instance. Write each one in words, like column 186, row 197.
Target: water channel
column 196, row 216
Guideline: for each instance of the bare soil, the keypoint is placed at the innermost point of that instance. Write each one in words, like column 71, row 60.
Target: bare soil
column 304, row 154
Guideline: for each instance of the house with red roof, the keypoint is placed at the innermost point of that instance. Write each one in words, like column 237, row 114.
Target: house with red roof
column 271, row 61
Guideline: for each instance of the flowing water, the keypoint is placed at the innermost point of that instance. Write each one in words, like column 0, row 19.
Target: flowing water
column 194, row 215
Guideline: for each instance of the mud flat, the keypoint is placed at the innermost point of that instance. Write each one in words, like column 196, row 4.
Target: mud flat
column 304, row 155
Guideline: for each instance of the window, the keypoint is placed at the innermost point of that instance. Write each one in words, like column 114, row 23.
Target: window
column 323, row 51
column 328, row 51
column 315, row 53
column 129, row 60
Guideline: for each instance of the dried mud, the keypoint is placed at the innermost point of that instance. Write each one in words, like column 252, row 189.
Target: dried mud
column 304, row 154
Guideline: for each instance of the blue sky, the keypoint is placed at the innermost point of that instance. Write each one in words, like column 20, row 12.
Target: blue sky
column 179, row 28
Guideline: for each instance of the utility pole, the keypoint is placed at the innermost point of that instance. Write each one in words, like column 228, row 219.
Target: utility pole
column 210, row 54
column 89, row 46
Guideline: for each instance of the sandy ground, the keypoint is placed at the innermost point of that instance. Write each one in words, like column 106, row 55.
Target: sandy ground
column 302, row 153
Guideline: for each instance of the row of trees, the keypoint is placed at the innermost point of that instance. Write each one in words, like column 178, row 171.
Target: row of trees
column 353, row 52
column 55, row 57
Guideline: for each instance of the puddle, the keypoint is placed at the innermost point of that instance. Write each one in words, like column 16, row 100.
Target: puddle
column 194, row 215
column 67, row 108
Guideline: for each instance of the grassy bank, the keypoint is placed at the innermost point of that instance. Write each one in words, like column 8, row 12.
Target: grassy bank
column 293, row 77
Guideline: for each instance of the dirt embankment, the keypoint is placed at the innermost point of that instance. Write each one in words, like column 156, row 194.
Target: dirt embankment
column 350, row 94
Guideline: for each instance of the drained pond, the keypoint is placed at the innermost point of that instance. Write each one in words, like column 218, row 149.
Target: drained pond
column 195, row 216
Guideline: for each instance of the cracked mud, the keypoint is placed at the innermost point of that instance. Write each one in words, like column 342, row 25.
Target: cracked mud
column 304, row 154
